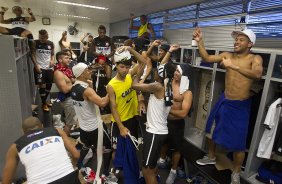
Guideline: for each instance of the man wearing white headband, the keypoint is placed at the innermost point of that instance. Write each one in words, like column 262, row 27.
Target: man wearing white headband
column 231, row 113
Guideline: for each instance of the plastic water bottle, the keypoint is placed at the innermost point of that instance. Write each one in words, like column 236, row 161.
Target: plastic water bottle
column 194, row 43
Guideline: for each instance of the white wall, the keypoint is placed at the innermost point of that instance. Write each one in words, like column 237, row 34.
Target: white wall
column 58, row 25
column 119, row 28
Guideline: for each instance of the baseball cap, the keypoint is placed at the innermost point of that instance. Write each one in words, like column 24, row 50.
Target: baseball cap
column 78, row 69
column 122, row 57
column 248, row 32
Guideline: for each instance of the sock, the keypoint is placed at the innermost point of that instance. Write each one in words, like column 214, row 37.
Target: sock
column 83, row 153
column 42, row 95
column 173, row 171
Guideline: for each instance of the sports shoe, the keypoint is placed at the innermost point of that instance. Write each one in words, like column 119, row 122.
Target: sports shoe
column 235, row 178
column 111, row 179
column 171, row 177
column 206, row 161
column 45, row 108
column 88, row 174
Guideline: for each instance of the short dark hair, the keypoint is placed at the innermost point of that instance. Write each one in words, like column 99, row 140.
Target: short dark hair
column 60, row 54
column 102, row 27
column 125, row 62
column 42, row 32
column 90, row 36
column 143, row 16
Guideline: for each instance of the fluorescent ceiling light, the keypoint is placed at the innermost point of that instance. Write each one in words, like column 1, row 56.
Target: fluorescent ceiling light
column 82, row 5
column 74, row 16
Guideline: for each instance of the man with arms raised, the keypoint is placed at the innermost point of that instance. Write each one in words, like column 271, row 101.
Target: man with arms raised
column 231, row 113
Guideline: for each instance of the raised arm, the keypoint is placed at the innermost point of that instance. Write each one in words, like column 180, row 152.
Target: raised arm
column 123, row 130
column 31, row 18
column 198, row 36
column 151, row 87
column 172, row 48
column 131, row 23
column 151, row 30
column 149, row 67
column 92, row 96
column 83, row 37
column 155, row 43
column 10, row 165
column 2, row 20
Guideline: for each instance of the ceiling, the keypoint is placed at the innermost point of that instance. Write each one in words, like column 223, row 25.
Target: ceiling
column 118, row 9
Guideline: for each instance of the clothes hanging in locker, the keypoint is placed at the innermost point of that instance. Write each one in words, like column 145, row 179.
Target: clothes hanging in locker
column 271, row 124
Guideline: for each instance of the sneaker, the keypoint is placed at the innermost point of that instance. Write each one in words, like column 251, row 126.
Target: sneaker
column 206, row 161
column 45, row 108
column 171, row 177
column 235, row 178
column 111, row 179
column 88, row 174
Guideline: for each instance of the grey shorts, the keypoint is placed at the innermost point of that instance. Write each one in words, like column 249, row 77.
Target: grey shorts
column 70, row 116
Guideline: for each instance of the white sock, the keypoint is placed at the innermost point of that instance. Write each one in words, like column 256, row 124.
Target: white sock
column 173, row 171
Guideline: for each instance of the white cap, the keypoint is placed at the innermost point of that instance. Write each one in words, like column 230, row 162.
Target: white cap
column 78, row 69
column 123, row 56
column 248, row 32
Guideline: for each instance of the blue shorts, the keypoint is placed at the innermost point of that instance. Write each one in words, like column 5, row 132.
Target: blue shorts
column 231, row 123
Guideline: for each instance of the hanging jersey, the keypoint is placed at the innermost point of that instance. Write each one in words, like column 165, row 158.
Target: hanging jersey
column 44, row 156
column 85, row 110
column 103, row 45
column 157, row 113
column 44, row 51
column 102, row 79
column 126, row 98
column 271, row 122
column 142, row 29
column 19, row 22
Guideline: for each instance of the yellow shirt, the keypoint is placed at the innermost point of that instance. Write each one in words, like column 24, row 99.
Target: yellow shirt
column 142, row 29
column 126, row 98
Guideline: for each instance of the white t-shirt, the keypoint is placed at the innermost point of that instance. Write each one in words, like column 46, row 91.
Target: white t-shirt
column 268, row 137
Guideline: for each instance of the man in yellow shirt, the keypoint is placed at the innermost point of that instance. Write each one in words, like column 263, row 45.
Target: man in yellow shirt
column 145, row 29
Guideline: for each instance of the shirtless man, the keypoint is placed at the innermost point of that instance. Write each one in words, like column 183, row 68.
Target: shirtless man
column 181, row 106
column 19, row 23
column 231, row 113
column 65, row 44
column 63, row 78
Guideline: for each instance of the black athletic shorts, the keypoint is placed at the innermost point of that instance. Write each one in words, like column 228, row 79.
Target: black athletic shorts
column 131, row 124
column 175, row 133
column 16, row 31
column 46, row 77
column 71, row 178
column 90, row 138
column 152, row 144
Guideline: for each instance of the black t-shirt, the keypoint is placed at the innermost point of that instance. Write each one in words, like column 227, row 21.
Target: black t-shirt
column 103, row 45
